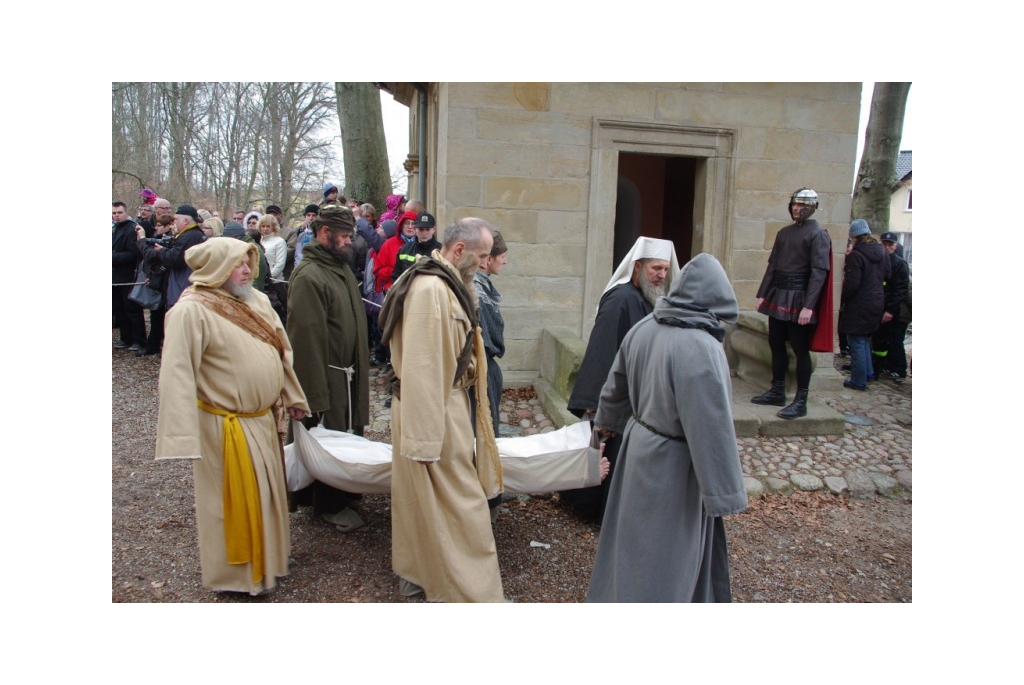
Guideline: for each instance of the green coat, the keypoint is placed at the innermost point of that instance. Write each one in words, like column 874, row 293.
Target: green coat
column 260, row 282
column 327, row 328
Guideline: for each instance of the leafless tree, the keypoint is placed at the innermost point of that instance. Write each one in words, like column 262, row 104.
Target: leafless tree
column 298, row 116
column 876, row 178
column 223, row 145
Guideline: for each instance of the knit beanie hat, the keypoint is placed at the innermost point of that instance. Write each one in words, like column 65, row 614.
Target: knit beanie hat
column 858, row 228
column 336, row 218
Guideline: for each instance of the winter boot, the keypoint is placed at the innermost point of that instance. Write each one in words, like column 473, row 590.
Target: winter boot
column 775, row 396
column 798, row 408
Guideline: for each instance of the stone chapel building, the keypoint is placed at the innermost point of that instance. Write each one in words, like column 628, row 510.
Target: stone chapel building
column 572, row 173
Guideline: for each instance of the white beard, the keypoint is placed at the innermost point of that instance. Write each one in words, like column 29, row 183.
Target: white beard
column 242, row 292
column 651, row 292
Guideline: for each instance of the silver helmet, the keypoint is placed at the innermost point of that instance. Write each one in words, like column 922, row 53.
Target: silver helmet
column 807, row 200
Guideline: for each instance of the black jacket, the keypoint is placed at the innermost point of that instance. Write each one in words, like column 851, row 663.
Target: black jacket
column 360, row 249
column 126, row 256
column 406, row 256
column 148, row 226
column 896, row 285
column 863, row 299
column 173, row 261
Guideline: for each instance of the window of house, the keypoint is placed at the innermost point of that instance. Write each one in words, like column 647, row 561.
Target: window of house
column 910, row 199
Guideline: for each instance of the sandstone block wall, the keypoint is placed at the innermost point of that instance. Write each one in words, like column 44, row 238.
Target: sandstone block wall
column 520, row 156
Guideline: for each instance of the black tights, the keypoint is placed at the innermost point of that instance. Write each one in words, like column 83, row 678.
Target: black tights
column 800, row 340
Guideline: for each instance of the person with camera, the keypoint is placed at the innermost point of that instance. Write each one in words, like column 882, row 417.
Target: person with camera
column 170, row 254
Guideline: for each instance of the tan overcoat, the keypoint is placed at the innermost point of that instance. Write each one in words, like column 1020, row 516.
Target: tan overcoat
column 441, row 530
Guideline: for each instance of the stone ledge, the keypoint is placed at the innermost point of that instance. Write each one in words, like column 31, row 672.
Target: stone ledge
column 554, row 404
column 561, row 354
column 821, row 419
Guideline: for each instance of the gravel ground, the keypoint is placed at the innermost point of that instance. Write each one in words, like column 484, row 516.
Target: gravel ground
column 801, row 547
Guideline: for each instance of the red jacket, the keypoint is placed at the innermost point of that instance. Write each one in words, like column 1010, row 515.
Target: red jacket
column 384, row 262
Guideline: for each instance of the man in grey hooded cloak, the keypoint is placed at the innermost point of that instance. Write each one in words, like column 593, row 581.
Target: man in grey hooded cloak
column 669, row 394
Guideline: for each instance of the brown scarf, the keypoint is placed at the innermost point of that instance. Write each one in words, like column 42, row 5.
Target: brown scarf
column 235, row 311
column 243, row 316
column 489, row 469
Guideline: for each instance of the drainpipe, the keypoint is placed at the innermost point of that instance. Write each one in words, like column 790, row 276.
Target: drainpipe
column 422, row 149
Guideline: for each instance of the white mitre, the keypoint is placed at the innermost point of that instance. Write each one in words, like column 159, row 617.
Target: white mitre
column 645, row 248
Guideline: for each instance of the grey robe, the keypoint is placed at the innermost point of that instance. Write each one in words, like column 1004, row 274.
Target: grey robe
column 662, row 538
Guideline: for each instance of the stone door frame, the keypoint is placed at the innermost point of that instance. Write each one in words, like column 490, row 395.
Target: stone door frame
column 712, row 203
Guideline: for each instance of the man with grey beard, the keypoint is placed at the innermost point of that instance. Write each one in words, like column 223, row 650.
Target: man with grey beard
column 640, row 279
column 444, row 463
column 327, row 329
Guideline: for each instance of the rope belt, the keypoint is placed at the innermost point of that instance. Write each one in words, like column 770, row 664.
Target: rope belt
column 243, row 519
column 349, row 372
column 678, row 438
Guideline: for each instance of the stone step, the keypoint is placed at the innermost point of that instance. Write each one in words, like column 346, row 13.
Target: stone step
column 750, row 420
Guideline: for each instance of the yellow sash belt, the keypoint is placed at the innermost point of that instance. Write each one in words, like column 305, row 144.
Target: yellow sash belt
column 243, row 520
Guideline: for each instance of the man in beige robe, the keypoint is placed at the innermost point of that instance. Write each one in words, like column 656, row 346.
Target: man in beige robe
column 225, row 375
column 441, row 542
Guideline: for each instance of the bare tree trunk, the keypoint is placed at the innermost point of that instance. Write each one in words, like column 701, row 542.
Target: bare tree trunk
column 367, row 176
column 876, row 178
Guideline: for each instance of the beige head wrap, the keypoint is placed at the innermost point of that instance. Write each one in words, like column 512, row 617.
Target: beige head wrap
column 213, row 261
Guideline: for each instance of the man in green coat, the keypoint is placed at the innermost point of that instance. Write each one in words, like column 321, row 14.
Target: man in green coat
column 327, row 330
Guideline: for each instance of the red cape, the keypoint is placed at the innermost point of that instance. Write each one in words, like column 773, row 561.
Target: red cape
column 822, row 340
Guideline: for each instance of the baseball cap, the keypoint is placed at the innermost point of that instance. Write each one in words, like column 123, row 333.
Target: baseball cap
column 424, row 220
column 889, row 237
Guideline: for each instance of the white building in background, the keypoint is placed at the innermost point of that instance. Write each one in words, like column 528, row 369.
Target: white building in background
column 901, row 209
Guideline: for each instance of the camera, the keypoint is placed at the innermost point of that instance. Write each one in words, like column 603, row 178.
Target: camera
column 162, row 242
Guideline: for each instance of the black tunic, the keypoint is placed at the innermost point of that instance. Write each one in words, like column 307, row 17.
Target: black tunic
column 620, row 309
column 803, row 249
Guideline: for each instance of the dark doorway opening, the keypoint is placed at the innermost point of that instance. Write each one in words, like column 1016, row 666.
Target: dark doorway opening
column 655, row 199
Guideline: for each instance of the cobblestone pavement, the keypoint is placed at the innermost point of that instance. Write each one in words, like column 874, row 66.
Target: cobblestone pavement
column 866, row 461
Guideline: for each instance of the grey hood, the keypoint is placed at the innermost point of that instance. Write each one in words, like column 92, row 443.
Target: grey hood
column 701, row 296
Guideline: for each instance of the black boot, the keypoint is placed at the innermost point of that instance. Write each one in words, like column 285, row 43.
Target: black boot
column 798, row 408
column 776, row 395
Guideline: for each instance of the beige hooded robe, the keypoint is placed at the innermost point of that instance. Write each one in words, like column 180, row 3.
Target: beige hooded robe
column 208, row 357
